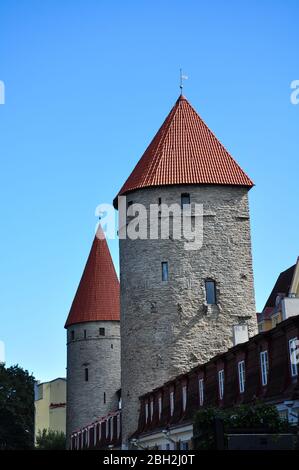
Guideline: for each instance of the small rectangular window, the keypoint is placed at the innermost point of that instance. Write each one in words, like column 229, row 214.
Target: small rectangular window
column 293, row 350
column 264, row 367
column 164, row 271
column 210, row 291
column 201, row 392
column 84, row 334
column 152, row 409
column 102, row 331
column 104, row 398
column 160, row 407
column 146, row 412
column 86, row 374
column 171, row 399
column 72, row 335
column 241, row 373
column 185, row 200
column 221, row 383
column 159, row 201
column 184, row 397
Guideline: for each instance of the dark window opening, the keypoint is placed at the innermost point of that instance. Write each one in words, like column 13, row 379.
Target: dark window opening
column 86, row 374
column 102, row 331
column 210, row 292
column 111, row 346
column 104, row 397
column 72, row 335
column 159, row 201
column 84, row 334
column 164, row 271
column 185, row 200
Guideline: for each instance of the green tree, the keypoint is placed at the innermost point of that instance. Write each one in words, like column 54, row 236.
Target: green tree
column 257, row 417
column 50, row 440
column 16, row 408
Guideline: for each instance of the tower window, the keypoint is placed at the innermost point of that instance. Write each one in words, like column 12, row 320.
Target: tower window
column 210, row 291
column 86, row 374
column 72, row 335
column 164, row 271
column 111, row 346
column 104, row 397
column 185, row 200
column 102, row 331
column 159, row 201
column 84, row 334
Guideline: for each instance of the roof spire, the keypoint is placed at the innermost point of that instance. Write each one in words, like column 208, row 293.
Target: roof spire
column 182, row 77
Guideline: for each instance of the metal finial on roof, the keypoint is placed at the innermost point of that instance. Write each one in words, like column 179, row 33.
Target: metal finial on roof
column 182, row 77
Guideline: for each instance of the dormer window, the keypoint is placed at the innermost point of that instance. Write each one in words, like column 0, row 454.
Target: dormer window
column 185, row 200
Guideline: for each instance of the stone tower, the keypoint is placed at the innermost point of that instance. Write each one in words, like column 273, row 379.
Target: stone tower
column 179, row 307
column 93, row 341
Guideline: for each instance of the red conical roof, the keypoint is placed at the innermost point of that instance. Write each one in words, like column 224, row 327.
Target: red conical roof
column 97, row 297
column 184, row 151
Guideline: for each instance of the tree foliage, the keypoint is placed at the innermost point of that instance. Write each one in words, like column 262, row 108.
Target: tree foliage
column 16, row 408
column 259, row 417
column 50, row 440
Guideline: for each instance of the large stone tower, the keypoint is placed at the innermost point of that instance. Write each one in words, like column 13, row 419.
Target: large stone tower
column 93, row 341
column 179, row 307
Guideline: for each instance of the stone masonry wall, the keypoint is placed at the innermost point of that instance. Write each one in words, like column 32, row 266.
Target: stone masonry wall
column 166, row 327
column 101, row 355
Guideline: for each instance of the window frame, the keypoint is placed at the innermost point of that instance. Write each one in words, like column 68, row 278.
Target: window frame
column 241, row 375
column 264, row 364
column 293, row 365
column 102, row 331
column 210, row 281
column 163, row 272
column 201, row 393
column 185, row 196
column 221, row 383
column 171, row 401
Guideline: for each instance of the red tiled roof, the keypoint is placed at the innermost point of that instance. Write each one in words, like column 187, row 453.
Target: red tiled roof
column 184, row 151
column 97, row 297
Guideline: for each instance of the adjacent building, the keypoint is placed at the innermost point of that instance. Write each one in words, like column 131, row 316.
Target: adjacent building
column 283, row 301
column 50, row 406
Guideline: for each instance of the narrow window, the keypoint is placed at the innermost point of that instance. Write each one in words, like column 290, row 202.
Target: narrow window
column 184, row 397
column 84, row 334
column 241, row 373
column 159, row 201
column 104, row 397
column 152, row 409
column 72, row 335
column 185, row 200
column 160, row 407
column 164, row 271
column 102, row 331
column 111, row 346
column 221, row 383
column 210, row 292
column 146, row 412
column 171, row 398
column 86, row 374
column 201, row 392
column 293, row 349
column 264, row 367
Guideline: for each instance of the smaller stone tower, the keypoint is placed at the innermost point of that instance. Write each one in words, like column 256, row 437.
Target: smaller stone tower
column 93, row 341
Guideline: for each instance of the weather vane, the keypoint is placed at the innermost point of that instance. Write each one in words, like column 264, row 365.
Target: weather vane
column 182, row 77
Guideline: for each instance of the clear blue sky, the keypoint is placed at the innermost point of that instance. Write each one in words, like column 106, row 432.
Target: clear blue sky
column 87, row 85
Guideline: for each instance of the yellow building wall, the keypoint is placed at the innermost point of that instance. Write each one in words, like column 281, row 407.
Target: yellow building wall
column 47, row 417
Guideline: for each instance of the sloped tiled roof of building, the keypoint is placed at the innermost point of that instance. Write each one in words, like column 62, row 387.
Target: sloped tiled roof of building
column 97, row 296
column 184, row 151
